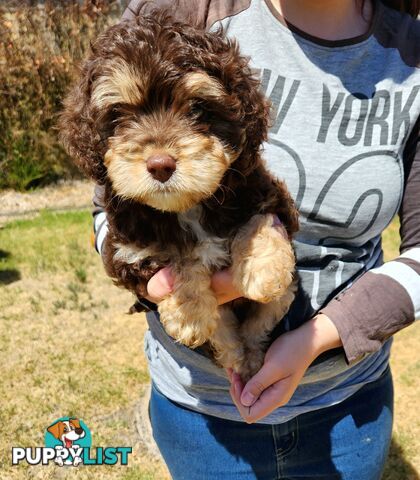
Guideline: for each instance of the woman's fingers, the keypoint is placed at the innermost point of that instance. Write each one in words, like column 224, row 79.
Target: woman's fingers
column 160, row 285
column 275, row 395
column 222, row 286
column 266, row 376
column 271, row 398
column 236, row 387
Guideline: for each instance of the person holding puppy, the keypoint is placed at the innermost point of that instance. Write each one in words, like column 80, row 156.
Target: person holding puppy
column 344, row 82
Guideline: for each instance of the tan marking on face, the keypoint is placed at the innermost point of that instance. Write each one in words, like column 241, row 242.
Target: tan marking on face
column 201, row 85
column 121, row 84
column 201, row 162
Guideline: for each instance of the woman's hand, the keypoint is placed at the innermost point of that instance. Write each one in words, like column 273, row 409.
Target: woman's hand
column 284, row 366
column 161, row 284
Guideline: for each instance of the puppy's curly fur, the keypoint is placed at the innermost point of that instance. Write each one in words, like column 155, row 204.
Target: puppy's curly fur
column 169, row 119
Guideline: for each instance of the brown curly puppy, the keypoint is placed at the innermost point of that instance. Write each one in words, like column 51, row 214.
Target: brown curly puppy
column 170, row 120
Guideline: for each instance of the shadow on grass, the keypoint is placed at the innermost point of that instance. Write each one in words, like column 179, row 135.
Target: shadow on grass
column 8, row 275
column 397, row 467
column 4, row 254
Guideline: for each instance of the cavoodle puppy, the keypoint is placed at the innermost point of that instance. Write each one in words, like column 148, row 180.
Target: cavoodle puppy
column 170, row 120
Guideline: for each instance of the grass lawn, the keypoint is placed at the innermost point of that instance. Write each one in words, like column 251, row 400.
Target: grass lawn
column 68, row 348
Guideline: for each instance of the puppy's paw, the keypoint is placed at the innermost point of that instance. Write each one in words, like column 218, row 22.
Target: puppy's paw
column 230, row 358
column 192, row 322
column 266, row 283
column 263, row 261
column 252, row 363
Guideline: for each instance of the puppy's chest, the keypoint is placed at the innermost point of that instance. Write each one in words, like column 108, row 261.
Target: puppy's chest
column 201, row 246
column 210, row 250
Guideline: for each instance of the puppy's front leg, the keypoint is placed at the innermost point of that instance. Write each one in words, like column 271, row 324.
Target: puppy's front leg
column 263, row 261
column 255, row 331
column 226, row 341
column 189, row 314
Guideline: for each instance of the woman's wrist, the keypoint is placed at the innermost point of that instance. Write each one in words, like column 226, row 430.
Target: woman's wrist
column 323, row 334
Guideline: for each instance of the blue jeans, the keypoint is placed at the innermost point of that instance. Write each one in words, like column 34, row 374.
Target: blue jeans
column 348, row 441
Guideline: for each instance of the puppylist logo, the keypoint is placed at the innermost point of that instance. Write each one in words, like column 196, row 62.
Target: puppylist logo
column 68, row 442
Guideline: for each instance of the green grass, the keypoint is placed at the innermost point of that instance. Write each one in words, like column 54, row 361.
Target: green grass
column 52, row 242
column 68, row 348
column 391, row 240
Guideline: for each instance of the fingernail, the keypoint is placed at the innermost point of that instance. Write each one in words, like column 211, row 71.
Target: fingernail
column 169, row 277
column 237, row 387
column 166, row 284
column 247, row 399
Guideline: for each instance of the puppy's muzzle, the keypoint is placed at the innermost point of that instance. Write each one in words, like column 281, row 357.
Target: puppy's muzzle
column 161, row 167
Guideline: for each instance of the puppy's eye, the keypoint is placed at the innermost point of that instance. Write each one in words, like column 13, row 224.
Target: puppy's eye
column 115, row 112
column 107, row 121
column 197, row 110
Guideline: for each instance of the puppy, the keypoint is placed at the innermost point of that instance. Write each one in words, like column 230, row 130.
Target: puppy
column 170, row 120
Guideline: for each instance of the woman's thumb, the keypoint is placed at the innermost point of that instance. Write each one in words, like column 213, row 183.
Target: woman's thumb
column 256, row 385
column 161, row 284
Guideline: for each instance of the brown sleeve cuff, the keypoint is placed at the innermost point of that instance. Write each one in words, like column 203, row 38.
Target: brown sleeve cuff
column 368, row 313
column 131, row 11
column 342, row 318
column 192, row 11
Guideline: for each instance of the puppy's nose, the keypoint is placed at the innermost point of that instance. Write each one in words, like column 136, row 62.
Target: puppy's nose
column 79, row 431
column 161, row 167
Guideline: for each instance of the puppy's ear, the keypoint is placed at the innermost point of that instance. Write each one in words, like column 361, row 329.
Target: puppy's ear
column 78, row 126
column 56, row 430
column 257, row 109
column 255, row 120
column 252, row 106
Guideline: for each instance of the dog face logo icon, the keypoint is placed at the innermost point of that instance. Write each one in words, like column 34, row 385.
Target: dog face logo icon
column 67, row 431
column 68, row 436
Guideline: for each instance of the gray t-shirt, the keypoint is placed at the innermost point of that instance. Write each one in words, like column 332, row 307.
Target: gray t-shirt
column 344, row 118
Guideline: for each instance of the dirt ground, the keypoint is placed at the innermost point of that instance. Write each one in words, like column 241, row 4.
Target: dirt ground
column 61, row 196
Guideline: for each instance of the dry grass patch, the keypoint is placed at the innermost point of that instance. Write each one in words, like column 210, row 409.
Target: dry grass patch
column 404, row 459
column 67, row 348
